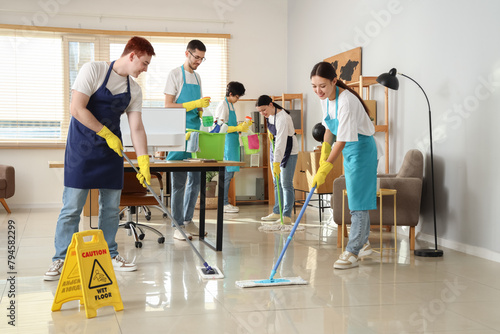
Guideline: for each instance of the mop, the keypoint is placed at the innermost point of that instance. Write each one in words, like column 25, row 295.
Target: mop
column 206, row 272
column 278, row 227
column 285, row 280
column 275, row 227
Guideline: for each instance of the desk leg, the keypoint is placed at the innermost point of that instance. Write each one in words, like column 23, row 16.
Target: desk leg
column 220, row 209
column 203, row 196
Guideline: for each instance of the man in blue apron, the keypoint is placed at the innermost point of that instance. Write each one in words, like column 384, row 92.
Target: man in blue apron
column 346, row 117
column 183, row 90
column 102, row 92
column 225, row 111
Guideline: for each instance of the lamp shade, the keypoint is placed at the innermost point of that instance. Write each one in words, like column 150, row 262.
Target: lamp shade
column 389, row 80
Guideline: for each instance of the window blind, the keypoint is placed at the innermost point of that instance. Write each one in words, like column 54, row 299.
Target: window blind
column 40, row 66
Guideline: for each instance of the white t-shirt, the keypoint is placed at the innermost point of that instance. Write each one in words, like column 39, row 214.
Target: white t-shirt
column 353, row 119
column 175, row 82
column 92, row 75
column 284, row 128
column 222, row 111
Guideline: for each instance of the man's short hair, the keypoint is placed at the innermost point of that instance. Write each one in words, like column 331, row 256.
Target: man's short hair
column 196, row 45
column 140, row 46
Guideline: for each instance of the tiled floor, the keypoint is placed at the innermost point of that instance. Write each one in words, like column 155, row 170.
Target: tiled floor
column 396, row 293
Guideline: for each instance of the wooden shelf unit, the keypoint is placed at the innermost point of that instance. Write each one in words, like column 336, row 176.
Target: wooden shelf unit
column 288, row 102
column 363, row 87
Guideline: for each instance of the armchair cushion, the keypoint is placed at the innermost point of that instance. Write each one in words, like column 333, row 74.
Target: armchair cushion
column 7, row 181
column 408, row 183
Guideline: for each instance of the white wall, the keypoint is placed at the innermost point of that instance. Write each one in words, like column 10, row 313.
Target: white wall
column 450, row 48
column 444, row 45
column 257, row 57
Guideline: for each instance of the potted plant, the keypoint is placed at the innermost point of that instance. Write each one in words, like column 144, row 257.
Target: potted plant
column 211, row 187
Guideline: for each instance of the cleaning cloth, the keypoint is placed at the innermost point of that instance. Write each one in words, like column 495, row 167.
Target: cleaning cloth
column 193, row 144
column 253, row 142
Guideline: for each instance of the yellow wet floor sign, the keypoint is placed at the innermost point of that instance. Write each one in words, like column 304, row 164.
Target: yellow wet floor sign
column 88, row 275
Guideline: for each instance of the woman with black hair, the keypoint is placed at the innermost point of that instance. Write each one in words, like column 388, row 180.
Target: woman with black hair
column 346, row 116
column 284, row 149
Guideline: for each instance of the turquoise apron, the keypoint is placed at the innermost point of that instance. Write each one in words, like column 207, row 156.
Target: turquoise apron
column 232, row 146
column 289, row 142
column 89, row 163
column 360, row 166
column 189, row 92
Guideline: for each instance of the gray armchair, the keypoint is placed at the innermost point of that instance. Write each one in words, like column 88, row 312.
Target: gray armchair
column 7, row 184
column 408, row 182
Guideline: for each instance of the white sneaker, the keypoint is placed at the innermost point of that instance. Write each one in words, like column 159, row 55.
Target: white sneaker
column 231, row 209
column 179, row 236
column 271, row 217
column 346, row 260
column 366, row 250
column 192, row 229
column 286, row 220
column 120, row 264
column 54, row 271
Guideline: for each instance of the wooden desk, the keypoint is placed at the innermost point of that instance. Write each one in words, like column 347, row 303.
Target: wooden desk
column 183, row 166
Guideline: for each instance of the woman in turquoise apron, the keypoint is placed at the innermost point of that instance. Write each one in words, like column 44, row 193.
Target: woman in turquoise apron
column 234, row 91
column 354, row 131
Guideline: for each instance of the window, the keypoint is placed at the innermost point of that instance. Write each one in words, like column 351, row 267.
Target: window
column 40, row 66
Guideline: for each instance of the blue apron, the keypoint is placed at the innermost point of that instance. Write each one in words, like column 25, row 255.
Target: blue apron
column 360, row 166
column 89, row 163
column 189, row 92
column 232, row 146
column 289, row 143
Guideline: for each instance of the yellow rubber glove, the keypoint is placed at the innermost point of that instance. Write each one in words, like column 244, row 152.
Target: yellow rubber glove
column 242, row 127
column 323, row 171
column 144, row 173
column 270, row 136
column 112, row 140
column 326, row 148
column 276, row 169
column 201, row 103
column 188, row 135
column 200, row 113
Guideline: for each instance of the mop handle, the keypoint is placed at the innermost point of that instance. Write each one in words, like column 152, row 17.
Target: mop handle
column 164, row 208
column 278, row 187
column 304, row 207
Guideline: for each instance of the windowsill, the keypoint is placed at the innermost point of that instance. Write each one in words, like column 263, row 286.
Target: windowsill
column 27, row 146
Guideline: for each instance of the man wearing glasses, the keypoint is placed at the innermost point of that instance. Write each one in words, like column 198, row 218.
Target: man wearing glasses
column 183, row 90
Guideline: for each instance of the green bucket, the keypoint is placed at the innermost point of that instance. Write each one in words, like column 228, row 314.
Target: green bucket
column 211, row 145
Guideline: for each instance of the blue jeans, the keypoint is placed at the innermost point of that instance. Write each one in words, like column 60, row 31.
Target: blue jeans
column 183, row 201
column 69, row 218
column 360, row 230
column 227, row 181
column 287, row 192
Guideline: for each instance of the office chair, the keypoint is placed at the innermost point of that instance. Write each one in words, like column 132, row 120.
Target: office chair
column 135, row 197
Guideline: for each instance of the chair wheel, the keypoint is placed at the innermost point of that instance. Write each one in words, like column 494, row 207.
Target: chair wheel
column 148, row 217
column 121, row 216
column 165, row 215
column 141, row 236
column 161, row 240
column 138, row 244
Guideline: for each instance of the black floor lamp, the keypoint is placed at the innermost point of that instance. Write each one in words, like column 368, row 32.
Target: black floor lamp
column 389, row 80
